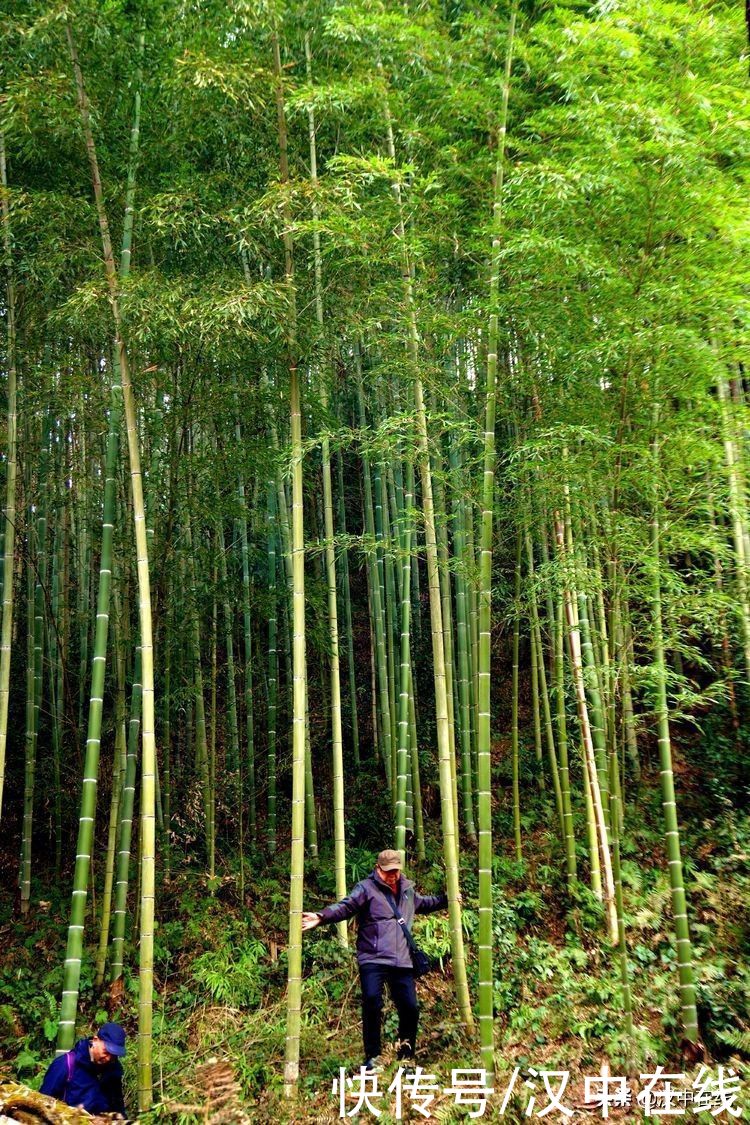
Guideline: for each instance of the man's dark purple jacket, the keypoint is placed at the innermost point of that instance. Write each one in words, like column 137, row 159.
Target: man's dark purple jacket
column 381, row 939
column 97, row 1088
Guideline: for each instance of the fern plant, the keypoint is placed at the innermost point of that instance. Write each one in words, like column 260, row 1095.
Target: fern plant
column 737, row 1038
column 233, row 975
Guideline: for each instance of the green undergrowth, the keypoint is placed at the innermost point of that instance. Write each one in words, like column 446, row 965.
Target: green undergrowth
column 220, row 970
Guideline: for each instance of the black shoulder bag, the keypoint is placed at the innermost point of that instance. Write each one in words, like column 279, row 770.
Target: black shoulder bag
column 421, row 961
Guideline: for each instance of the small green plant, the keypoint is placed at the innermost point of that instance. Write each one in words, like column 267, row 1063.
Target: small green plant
column 433, row 935
column 233, row 975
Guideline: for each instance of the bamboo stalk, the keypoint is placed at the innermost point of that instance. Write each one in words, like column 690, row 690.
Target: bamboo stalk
column 148, row 826
column 273, row 670
column 9, row 511
column 296, row 886
column 118, row 776
column 514, row 749
column 576, row 662
column 448, row 819
column 248, row 654
column 348, row 627
column 669, row 803
column 337, row 739
column 377, row 615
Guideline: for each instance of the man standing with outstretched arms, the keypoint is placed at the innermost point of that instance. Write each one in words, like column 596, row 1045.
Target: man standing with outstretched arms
column 383, row 951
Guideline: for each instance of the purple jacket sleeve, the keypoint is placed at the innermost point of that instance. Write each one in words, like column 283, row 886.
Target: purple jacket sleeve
column 348, row 906
column 428, row 904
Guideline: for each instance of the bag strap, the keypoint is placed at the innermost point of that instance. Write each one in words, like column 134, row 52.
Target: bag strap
column 397, row 915
column 70, row 1062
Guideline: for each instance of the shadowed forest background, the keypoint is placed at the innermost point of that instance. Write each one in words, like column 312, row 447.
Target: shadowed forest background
column 375, row 464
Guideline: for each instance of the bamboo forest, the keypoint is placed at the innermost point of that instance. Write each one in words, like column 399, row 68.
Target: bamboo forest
column 375, row 474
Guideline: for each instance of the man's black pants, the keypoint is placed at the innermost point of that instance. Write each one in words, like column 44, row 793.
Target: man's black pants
column 404, row 995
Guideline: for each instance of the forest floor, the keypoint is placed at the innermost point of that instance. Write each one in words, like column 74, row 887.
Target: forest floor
column 220, row 973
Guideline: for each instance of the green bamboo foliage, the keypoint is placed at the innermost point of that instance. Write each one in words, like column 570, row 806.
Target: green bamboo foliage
column 9, row 509
column 448, row 391
column 148, row 771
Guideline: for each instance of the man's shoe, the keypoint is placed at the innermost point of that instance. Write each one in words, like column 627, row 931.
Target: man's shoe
column 372, row 1066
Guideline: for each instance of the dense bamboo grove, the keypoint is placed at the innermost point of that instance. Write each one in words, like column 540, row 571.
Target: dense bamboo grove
column 374, row 376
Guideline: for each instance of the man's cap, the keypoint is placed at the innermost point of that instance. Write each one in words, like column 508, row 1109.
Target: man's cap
column 113, row 1038
column 389, row 860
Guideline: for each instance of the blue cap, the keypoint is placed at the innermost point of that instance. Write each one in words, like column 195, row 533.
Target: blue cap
column 113, row 1038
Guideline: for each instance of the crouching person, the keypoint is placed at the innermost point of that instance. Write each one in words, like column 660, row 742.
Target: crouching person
column 90, row 1075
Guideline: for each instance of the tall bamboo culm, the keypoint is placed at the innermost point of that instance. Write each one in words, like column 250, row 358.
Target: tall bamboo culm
column 71, row 976
column 337, row 740
column 348, row 629
column 148, row 755
column 484, row 777
column 685, row 970
column 299, row 675
column 446, row 772
column 9, row 513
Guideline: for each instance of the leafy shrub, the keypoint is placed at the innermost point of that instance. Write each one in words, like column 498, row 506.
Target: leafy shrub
column 433, row 935
column 234, row 975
